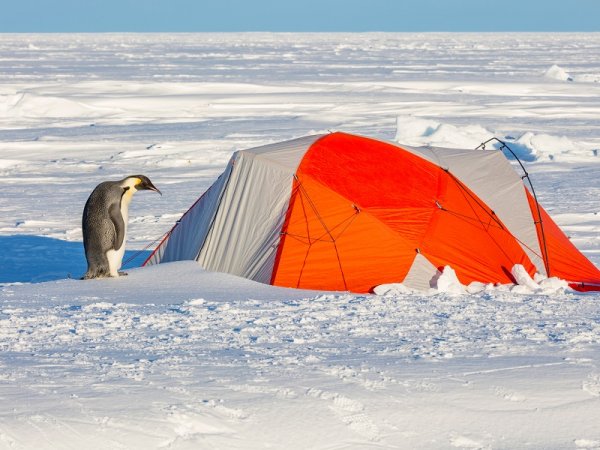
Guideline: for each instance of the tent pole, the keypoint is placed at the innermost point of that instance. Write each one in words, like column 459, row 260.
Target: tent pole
column 504, row 145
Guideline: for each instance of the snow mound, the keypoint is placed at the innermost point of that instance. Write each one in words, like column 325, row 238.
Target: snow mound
column 522, row 277
column 557, row 73
column 529, row 146
column 545, row 147
column 10, row 163
column 448, row 283
column 445, row 282
column 392, row 289
column 588, row 78
column 419, row 132
column 560, row 74
column 27, row 104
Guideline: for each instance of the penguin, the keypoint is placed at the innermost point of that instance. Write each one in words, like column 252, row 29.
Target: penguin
column 104, row 224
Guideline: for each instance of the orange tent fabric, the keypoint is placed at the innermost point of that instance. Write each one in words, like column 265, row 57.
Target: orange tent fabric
column 564, row 259
column 355, row 223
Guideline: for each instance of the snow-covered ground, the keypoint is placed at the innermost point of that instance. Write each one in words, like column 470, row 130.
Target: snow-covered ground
column 175, row 357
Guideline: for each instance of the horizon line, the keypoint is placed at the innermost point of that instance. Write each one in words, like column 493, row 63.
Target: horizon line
column 306, row 32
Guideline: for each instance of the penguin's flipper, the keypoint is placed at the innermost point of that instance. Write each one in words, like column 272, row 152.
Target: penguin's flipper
column 117, row 219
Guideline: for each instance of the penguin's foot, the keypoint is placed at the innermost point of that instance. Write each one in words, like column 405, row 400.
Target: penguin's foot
column 92, row 275
column 95, row 271
column 123, row 274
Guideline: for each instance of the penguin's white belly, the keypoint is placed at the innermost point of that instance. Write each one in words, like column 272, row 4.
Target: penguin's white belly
column 115, row 257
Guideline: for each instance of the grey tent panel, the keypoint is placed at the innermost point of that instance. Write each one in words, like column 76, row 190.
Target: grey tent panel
column 187, row 237
column 421, row 274
column 287, row 154
column 491, row 177
column 247, row 227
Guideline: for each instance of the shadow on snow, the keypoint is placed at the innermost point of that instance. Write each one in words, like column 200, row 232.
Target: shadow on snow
column 34, row 259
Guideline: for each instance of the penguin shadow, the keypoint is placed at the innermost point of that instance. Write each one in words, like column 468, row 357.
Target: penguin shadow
column 35, row 259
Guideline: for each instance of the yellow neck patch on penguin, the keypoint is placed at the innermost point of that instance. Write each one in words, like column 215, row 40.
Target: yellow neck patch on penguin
column 131, row 184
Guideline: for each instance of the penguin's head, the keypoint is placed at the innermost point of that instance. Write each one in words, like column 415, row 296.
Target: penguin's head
column 140, row 183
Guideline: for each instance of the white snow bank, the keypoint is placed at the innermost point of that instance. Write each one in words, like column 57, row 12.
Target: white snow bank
column 522, row 277
column 169, row 283
column 448, row 283
column 545, row 147
column 557, row 73
column 560, row 74
column 525, row 285
column 539, row 284
column 529, row 146
column 175, row 357
column 26, row 104
column 390, row 289
column 419, row 131
column 587, row 78
column 6, row 163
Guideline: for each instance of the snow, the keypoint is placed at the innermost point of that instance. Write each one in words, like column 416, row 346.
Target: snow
column 522, row 277
column 557, row 73
column 419, row 132
column 448, row 282
column 172, row 356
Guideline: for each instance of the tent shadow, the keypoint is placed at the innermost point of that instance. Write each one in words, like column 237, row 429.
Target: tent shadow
column 35, row 259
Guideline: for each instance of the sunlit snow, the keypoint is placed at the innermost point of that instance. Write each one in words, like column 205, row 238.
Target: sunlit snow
column 172, row 356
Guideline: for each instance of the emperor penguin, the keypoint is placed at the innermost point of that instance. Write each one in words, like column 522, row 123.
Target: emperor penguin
column 104, row 224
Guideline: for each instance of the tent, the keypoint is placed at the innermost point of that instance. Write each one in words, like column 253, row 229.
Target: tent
column 346, row 212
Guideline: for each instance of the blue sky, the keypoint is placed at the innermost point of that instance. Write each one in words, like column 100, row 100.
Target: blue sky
column 298, row 15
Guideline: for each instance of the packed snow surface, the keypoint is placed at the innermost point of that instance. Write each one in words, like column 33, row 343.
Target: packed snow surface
column 172, row 356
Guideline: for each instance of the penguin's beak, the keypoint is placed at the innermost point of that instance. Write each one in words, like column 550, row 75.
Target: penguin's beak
column 147, row 185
